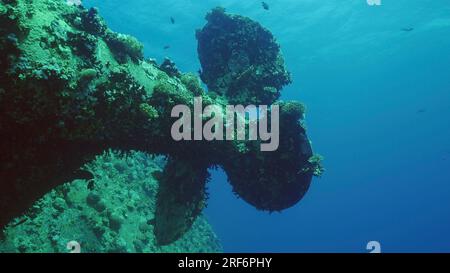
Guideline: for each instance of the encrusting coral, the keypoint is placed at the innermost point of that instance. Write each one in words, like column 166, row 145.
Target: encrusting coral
column 112, row 211
column 70, row 89
column 240, row 59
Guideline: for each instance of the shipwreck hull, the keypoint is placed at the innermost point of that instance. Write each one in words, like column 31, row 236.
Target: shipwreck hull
column 70, row 89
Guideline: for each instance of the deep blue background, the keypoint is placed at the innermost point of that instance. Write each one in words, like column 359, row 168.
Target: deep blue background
column 378, row 103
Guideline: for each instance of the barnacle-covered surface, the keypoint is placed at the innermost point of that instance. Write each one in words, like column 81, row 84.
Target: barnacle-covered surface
column 112, row 212
column 70, row 88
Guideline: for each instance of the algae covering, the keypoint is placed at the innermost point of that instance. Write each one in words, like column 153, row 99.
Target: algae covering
column 70, row 89
column 112, row 212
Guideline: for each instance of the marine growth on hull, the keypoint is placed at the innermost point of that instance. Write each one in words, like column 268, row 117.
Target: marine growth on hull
column 72, row 89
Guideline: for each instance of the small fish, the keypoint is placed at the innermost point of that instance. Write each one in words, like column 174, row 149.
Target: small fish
column 20, row 222
column 82, row 175
column 158, row 175
column 151, row 222
column 91, row 185
column 407, row 29
column 74, row 2
column 166, row 47
column 265, row 5
column 421, row 111
column 172, row 20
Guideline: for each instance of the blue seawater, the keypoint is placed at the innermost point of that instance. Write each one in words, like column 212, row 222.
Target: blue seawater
column 376, row 81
